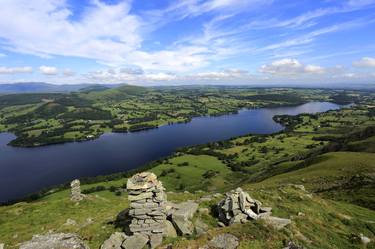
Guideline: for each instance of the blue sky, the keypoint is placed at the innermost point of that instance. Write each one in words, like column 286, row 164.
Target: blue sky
column 160, row 42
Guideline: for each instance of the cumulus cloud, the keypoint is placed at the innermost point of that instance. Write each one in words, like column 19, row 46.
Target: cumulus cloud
column 68, row 72
column 46, row 28
column 15, row 70
column 289, row 67
column 365, row 62
column 48, row 70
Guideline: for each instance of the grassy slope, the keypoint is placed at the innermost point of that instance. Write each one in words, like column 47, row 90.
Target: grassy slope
column 325, row 224
column 192, row 175
column 345, row 176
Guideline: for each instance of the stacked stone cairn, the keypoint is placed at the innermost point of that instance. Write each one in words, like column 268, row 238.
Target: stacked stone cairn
column 239, row 207
column 147, row 209
column 75, row 190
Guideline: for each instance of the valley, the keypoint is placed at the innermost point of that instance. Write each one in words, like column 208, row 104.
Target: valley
column 318, row 171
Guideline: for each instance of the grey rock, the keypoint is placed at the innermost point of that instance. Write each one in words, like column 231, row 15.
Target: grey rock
column 265, row 209
column 200, row 227
column 114, row 242
column 221, row 224
column 141, row 181
column 364, row 240
column 155, row 240
column 238, row 207
column 186, row 210
column 170, row 231
column 224, row 241
column 137, row 241
column 276, row 222
column 292, row 245
column 183, row 226
column 55, row 241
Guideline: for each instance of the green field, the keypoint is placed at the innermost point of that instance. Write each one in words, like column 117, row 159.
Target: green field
column 42, row 119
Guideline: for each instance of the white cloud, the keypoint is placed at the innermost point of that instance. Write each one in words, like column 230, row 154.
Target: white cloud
column 290, row 66
column 15, row 70
column 104, row 32
column 2, row 55
column 160, row 77
column 314, row 69
column 68, row 72
column 48, row 70
column 365, row 62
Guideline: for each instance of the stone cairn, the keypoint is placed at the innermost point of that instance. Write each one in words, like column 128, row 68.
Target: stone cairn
column 239, row 207
column 147, row 207
column 75, row 190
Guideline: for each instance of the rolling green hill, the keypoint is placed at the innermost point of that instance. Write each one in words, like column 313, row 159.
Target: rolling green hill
column 318, row 220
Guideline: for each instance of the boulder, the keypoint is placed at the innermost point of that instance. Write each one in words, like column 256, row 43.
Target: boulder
column 181, row 214
column 114, row 242
column 182, row 225
column 200, row 227
column 137, row 241
column 55, row 241
column 224, row 241
column 155, row 240
column 169, row 231
column 276, row 222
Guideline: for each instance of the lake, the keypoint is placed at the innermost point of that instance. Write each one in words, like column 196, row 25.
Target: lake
column 27, row 170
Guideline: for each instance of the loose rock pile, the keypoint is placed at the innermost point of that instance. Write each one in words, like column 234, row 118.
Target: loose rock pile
column 238, row 207
column 147, row 210
column 75, row 190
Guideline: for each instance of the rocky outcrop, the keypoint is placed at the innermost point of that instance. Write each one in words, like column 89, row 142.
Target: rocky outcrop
column 147, row 209
column 238, row 207
column 75, row 191
column 55, row 241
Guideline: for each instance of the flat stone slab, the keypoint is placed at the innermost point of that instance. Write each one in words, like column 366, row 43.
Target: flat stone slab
column 55, row 241
column 186, row 210
column 115, row 241
column 137, row 241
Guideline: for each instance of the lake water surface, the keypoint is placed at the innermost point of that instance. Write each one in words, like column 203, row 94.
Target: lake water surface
column 26, row 170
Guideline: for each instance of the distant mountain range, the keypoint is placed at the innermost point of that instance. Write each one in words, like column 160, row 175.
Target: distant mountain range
column 41, row 87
